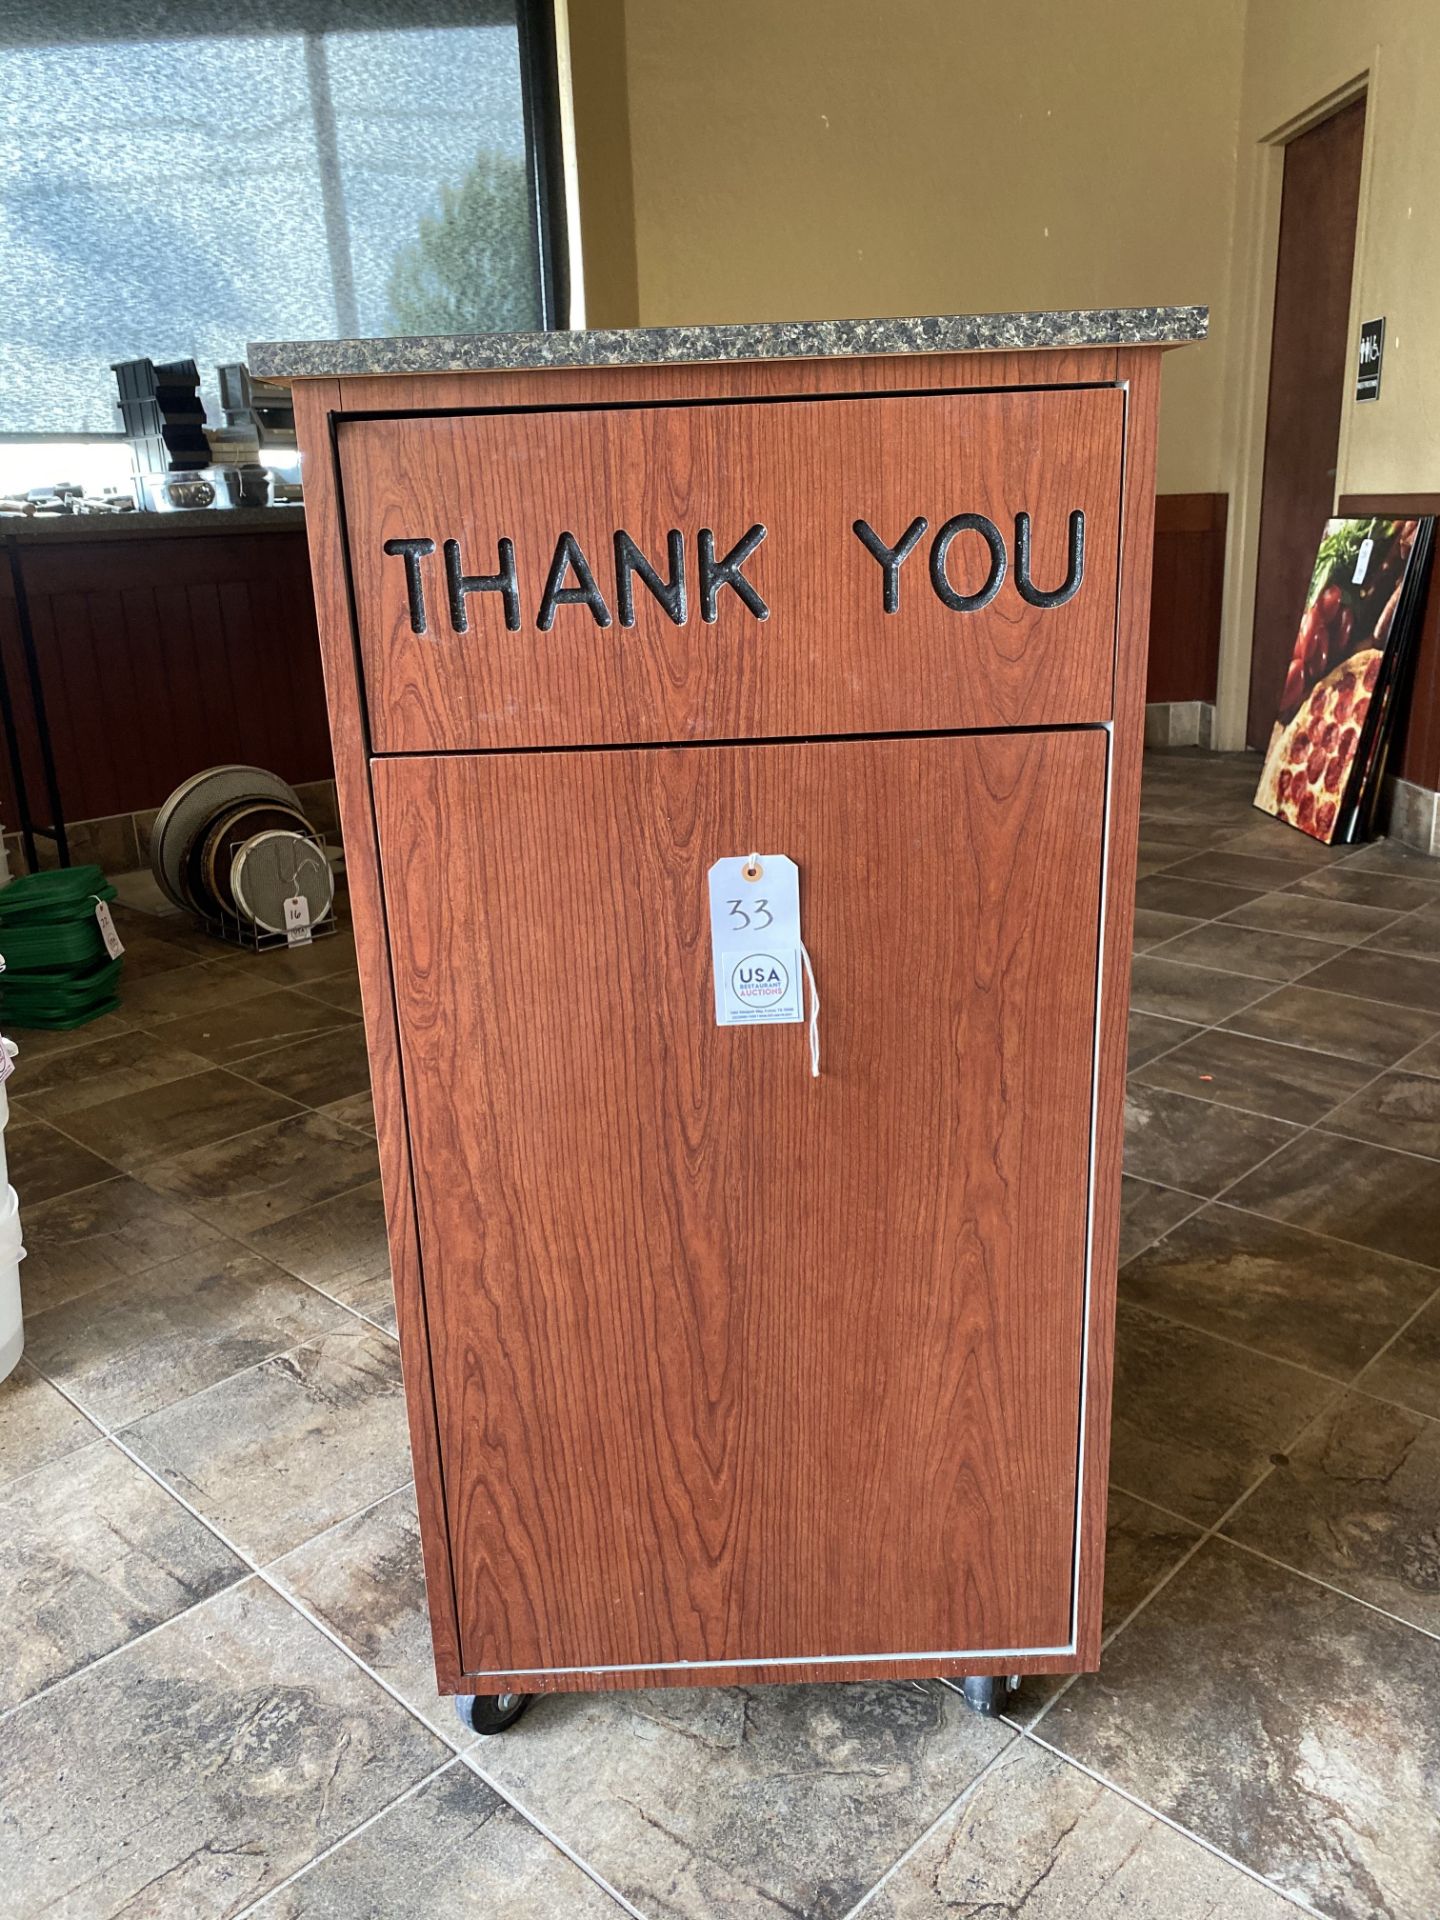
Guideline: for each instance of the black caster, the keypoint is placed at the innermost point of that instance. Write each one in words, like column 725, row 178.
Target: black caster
column 490, row 1712
column 987, row 1693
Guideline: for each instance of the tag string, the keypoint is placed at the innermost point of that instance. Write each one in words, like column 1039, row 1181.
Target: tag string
column 814, row 1013
column 752, row 871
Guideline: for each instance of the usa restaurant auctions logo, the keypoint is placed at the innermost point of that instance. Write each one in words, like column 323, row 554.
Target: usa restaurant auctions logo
column 759, row 980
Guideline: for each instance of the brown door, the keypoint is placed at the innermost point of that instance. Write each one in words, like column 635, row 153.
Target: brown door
column 1310, row 363
column 732, row 1363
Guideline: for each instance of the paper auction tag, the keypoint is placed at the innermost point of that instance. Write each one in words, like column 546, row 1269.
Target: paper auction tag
column 297, row 921
column 114, row 945
column 755, row 940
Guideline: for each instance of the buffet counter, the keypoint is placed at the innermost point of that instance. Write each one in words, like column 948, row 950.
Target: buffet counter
column 66, row 529
column 161, row 643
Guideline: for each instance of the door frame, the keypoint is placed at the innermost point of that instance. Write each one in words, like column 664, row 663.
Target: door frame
column 1254, row 261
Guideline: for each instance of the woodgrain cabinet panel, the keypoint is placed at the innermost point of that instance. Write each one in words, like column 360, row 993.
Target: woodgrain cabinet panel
column 732, row 1364
column 717, row 1372
column 493, row 605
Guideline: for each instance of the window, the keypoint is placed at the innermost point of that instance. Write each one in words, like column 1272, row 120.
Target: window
column 210, row 175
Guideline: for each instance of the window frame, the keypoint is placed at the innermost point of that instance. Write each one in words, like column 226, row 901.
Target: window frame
column 543, row 110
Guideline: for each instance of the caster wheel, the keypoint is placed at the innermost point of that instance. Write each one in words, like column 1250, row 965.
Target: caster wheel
column 490, row 1712
column 987, row 1693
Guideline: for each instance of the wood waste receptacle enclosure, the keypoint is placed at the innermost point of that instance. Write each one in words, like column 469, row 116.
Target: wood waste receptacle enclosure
column 711, row 706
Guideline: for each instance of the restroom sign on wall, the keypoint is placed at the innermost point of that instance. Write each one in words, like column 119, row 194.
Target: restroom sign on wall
column 1372, row 352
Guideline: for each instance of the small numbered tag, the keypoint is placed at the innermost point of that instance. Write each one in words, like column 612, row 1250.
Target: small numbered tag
column 114, row 945
column 755, row 940
column 1362, row 561
column 297, row 921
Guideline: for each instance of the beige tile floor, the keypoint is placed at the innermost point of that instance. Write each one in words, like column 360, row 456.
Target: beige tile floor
column 215, row 1694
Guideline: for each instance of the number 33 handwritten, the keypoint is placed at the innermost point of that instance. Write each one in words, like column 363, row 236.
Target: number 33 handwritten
column 741, row 919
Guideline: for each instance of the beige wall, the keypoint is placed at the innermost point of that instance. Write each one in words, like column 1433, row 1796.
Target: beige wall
column 791, row 158
column 1301, row 57
column 817, row 158
column 1298, row 53
column 599, row 96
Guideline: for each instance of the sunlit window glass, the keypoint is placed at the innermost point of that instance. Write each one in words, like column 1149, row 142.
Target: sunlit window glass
column 262, row 172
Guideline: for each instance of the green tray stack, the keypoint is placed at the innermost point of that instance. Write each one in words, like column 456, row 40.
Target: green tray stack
column 58, row 972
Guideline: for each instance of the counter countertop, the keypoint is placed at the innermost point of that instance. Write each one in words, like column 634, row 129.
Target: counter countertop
column 55, row 529
column 780, row 340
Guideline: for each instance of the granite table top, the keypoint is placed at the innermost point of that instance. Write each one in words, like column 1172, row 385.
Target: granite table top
column 777, row 340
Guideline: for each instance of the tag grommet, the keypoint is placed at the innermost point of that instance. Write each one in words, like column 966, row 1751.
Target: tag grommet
column 752, row 869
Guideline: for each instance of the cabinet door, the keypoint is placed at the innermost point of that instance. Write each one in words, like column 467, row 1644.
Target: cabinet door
column 732, row 1363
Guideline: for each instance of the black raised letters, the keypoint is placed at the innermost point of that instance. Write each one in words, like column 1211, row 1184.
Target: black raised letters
column 413, row 552
column 629, row 560
column 940, row 551
column 715, row 574
column 1075, row 571
column 462, row 584
column 890, row 558
column 570, row 557
column 571, row 579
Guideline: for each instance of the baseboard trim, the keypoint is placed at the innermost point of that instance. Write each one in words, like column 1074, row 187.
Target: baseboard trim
column 120, row 842
column 1180, row 723
column 1411, row 815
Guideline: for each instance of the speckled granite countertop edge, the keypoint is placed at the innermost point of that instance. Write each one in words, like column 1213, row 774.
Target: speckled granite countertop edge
column 780, row 340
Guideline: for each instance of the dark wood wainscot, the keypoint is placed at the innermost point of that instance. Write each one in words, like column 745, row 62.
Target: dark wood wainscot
column 718, row 1371
column 165, row 643
column 1416, row 754
column 1186, row 596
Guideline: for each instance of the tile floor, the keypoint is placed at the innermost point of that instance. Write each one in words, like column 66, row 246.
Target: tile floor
column 214, row 1670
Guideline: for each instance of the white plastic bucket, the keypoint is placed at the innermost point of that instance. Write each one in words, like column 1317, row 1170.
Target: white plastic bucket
column 12, row 1252
column 10, row 1050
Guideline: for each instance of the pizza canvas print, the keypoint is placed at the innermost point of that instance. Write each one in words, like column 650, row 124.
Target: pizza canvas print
column 1325, row 732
